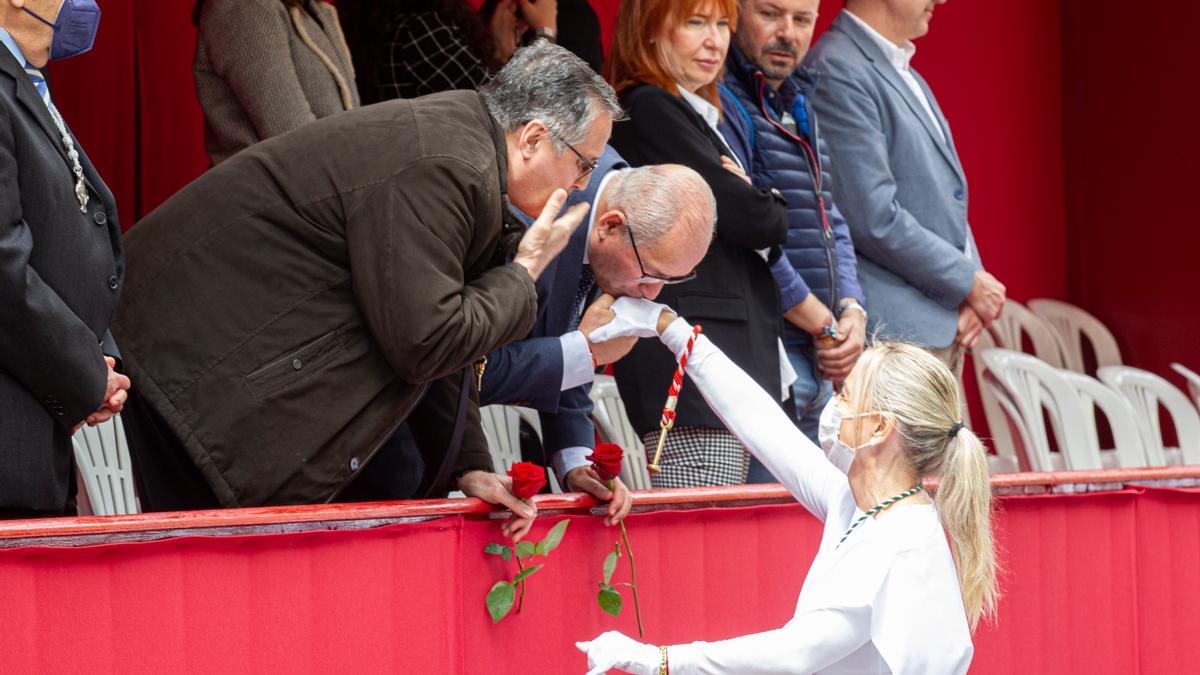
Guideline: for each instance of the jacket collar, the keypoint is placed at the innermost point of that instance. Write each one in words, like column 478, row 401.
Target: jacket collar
column 846, row 25
column 24, row 91
column 802, row 81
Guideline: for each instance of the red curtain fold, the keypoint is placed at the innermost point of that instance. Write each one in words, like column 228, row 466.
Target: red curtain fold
column 1096, row 583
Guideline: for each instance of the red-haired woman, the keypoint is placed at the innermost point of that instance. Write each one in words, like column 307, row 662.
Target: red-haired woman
column 664, row 63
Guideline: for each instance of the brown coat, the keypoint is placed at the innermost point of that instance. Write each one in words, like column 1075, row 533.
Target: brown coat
column 285, row 312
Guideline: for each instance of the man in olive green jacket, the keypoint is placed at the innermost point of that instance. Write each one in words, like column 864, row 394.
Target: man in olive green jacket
column 285, row 312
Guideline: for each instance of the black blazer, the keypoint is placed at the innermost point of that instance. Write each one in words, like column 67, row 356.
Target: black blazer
column 60, row 275
column 735, row 297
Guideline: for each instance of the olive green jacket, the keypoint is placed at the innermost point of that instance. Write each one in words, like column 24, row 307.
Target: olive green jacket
column 285, row 312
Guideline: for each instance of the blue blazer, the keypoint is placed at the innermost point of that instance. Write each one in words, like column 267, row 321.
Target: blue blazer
column 900, row 186
column 529, row 372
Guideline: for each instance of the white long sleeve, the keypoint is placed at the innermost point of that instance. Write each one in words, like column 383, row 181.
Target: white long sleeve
column 808, row 643
column 758, row 422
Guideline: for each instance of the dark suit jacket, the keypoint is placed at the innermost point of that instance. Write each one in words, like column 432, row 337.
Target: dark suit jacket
column 734, row 296
column 529, row 372
column 286, row 311
column 60, row 275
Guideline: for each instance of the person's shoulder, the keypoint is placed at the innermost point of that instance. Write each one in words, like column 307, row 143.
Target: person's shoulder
column 647, row 96
column 455, row 126
column 834, row 50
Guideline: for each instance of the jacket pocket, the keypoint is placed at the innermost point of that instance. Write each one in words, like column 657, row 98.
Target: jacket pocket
column 728, row 308
column 294, row 365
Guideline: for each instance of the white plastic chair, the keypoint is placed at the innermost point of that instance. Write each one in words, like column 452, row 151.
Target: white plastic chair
column 613, row 424
column 1193, row 381
column 502, row 428
column 1006, row 333
column 1033, row 385
column 1146, row 391
column 1015, row 455
column 1122, row 421
column 1072, row 324
column 102, row 456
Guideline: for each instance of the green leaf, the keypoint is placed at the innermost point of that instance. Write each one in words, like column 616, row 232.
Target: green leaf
column 609, row 599
column 506, row 554
column 495, row 549
column 500, row 600
column 525, row 549
column 524, row 574
column 553, row 537
column 610, row 566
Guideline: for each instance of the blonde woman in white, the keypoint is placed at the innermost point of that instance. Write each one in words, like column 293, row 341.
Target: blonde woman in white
column 888, row 591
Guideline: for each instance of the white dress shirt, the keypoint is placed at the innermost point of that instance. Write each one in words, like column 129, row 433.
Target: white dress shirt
column 885, row 601
column 900, row 57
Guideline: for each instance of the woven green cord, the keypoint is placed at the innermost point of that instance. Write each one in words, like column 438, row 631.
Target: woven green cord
column 879, row 507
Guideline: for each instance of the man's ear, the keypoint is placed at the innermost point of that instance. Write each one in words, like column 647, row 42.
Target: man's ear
column 533, row 134
column 611, row 224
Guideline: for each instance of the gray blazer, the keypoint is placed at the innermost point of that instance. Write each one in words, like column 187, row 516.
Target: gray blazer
column 262, row 71
column 900, row 187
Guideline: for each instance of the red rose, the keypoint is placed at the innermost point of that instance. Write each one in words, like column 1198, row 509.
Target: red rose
column 528, row 479
column 606, row 459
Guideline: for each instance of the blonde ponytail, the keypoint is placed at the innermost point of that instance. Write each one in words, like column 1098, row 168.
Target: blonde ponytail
column 964, row 502
column 919, row 392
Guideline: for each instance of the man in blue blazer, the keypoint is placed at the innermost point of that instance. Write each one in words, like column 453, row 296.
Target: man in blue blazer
column 898, row 180
column 647, row 227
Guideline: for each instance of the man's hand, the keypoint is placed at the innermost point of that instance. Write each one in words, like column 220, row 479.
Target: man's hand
column 986, row 297
column 585, row 479
column 116, row 392
column 496, row 489
column 809, row 315
column 970, row 327
column 547, row 237
column 598, row 314
column 835, row 360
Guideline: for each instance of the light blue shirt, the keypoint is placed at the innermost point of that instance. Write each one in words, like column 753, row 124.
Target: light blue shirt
column 12, row 47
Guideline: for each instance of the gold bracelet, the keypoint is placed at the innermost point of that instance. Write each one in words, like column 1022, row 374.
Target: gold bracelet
column 664, row 668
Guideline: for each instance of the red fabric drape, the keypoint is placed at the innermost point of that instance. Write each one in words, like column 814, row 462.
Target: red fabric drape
column 1095, row 583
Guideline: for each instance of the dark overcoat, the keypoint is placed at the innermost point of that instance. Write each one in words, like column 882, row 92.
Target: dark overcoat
column 285, row 312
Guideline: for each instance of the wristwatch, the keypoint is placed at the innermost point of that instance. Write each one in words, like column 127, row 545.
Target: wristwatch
column 546, row 33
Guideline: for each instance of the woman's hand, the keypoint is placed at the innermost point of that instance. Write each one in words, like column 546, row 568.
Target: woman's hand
column 505, row 33
column 615, row 650
column 540, row 14
column 733, row 168
column 633, row 317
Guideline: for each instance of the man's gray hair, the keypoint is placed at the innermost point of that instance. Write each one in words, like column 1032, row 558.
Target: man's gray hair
column 548, row 83
column 654, row 198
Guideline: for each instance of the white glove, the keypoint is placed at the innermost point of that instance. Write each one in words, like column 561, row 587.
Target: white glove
column 634, row 317
column 614, row 650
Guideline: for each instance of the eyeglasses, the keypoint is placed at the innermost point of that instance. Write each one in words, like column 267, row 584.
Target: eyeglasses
column 648, row 278
column 585, row 165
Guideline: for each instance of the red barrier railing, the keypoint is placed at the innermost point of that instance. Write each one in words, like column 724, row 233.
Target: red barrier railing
column 46, row 530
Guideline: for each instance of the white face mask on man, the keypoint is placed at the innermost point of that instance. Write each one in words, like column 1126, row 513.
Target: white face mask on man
column 828, row 433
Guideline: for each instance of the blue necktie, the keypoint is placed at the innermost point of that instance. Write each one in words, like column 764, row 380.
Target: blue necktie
column 587, row 284
column 39, row 82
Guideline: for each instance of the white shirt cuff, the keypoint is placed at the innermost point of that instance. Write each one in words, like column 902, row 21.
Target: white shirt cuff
column 568, row 459
column 577, row 360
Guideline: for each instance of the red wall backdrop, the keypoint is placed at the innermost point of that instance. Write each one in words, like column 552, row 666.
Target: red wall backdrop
column 1076, row 156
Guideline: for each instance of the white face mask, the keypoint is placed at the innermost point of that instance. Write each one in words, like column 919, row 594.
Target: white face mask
column 828, row 433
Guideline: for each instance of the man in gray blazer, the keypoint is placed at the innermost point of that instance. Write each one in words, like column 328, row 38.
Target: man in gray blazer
column 899, row 182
